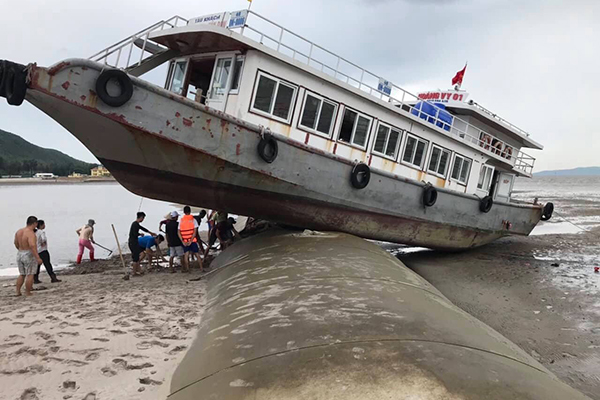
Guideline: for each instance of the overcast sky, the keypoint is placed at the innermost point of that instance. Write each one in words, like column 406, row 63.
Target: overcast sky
column 533, row 62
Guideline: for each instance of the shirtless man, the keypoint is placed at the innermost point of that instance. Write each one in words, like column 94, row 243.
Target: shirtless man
column 28, row 258
column 86, row 238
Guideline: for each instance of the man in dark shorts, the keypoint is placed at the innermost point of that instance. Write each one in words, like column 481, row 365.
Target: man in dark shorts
column 134, row 233
column 175, row 244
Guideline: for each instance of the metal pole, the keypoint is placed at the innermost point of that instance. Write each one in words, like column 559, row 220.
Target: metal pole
column 120, row 252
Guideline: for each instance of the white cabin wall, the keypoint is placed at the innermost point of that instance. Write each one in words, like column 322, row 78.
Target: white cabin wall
column 239, row 106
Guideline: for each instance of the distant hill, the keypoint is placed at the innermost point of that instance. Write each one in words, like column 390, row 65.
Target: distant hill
column 19, row 157
column 582, row 171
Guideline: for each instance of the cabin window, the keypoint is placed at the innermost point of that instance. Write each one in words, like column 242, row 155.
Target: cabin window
column 485, row 177
column 438, row 164
column 355, row 128
column 387, row 140
column 414, row 151
column 237, row 75
column 179, row 72
column 274, row 98
column 460, row 170
column 318, row 114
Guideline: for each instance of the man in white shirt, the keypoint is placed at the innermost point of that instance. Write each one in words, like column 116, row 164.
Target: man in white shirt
column 42, row 248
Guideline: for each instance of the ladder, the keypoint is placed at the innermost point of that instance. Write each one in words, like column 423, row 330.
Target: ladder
column 136, row 54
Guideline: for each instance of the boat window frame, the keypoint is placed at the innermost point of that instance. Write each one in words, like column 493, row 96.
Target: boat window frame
column 237, row 58
column 481, row 175
column 333, row 118
column 278, row 81
column 387, row 140
column 465, row 183
column 185, row 81
column 358, row 115
column 425, row 152
column 435, row 172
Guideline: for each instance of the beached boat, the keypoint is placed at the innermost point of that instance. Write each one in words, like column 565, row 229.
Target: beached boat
column 256, row 120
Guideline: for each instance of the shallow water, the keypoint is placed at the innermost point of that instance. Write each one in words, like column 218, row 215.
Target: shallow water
column 67, row 207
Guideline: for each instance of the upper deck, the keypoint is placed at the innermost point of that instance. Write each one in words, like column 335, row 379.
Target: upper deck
column 247, row 30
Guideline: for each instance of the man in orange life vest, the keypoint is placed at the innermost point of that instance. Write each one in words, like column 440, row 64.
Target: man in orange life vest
column 188, row 230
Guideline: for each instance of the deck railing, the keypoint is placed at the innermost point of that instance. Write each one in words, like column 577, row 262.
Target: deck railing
column 134, row 50
column 340, row 68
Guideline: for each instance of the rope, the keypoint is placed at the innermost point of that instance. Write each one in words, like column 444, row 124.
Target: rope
column 140, row 207
column 572, row 223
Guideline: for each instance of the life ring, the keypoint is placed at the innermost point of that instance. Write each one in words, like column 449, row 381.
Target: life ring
column 14, row 85
column 487, row 141
column 485, row 204
column 124, row 82
column 429, row 195
column 360, row 176
column 507, row 153
column 547, row 211
column 268, row 149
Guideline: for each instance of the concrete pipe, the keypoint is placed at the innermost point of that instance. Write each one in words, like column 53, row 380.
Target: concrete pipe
column 309, row 315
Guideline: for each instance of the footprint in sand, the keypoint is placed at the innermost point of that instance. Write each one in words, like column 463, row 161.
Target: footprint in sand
column 148, row 381
column 92, row 356
column 90, row 396
column 177, row 349
column 148, row 344
column 13, row 337
column 106, row 371
column 117, row 332
column 123, row 364
column 99, row 339
column 29, row 394
column 43, row 335
column 65, row 333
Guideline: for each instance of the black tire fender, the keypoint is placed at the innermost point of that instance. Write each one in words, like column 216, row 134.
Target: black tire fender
column 547, row 211
column 430, row 195
column 485, row 204
column 268, row 149
column 124, row 82
column 360, row 176
column 14, row 83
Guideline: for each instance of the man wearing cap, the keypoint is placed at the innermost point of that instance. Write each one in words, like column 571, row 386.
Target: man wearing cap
column 86, row 238
column 175, row 244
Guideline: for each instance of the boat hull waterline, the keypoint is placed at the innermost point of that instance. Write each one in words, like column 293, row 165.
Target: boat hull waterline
column 166, row 147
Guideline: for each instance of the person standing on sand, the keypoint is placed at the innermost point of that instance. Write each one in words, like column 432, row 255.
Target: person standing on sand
column 42, row 248
column 86, row 238
column 134, row 234
column 188, row 230
column 173, row 240
column 28, row 258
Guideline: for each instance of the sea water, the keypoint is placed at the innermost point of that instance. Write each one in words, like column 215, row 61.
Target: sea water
column 66, row 208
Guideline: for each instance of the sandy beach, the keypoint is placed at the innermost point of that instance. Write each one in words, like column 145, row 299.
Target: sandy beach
column 96, row 336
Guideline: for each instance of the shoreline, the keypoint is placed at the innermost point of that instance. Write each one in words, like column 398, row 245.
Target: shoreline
column 57, row 181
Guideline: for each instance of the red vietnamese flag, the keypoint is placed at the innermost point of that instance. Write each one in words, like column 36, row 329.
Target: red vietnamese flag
column 458, row 78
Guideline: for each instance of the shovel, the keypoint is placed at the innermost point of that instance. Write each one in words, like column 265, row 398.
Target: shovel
column 102, row 247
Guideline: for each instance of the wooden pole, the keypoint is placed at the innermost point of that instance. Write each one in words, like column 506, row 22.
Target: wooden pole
column 120, row 252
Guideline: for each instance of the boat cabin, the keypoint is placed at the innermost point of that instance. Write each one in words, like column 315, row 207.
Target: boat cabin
column 255, row 70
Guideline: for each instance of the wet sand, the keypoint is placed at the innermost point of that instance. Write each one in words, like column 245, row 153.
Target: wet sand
column 541, row 292
column 96, row 336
